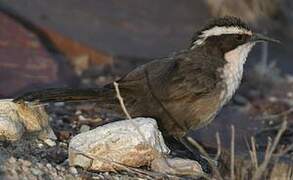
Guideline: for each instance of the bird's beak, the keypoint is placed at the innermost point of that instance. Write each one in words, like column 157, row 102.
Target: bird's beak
column 260, row 38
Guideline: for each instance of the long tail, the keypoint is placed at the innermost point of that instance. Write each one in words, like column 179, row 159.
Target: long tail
column 65, row 95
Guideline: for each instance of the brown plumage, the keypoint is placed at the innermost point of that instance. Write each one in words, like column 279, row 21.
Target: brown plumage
column 182, row 92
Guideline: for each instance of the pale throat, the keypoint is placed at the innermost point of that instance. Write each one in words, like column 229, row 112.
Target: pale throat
column 233, row 69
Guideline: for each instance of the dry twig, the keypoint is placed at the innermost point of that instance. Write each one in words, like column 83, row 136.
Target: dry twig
column 121, row 101
column 232, row 167
column 139, row 172
column 276, row 116
column 290, row 174
column 250, row 152
column 285, row 151
column 269, row 145
column 260, row 170
column 218, row 146
column 254, row 155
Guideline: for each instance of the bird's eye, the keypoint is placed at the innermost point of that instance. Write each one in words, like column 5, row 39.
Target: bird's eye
column 240, row 38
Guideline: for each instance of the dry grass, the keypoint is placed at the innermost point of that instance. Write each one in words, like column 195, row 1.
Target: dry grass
column 249, row 169
column 232, row 165
column 219, row 149
column 263, row 166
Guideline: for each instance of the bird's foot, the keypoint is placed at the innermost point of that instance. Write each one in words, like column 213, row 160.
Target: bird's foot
column 194, row 154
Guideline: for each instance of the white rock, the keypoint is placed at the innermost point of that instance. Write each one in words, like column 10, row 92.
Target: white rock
column 10, row 129
column 119, row 142
column 10, row 126
column 177, row 166
column 17, row 118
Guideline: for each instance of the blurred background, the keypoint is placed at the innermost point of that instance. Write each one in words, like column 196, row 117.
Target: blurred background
column 78, row 43
column 53, row 43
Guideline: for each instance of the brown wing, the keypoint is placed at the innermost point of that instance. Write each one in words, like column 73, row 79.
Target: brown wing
column 179, row 83
column 135, row 87
column 174, row 77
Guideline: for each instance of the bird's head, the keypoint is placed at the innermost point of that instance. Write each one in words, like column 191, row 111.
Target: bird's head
column 227, row 34
column 232, row 39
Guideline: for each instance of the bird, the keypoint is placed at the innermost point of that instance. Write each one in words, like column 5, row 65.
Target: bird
column 184, row 91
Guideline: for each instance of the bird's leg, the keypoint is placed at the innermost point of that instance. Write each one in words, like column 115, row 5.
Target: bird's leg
column 196, row 155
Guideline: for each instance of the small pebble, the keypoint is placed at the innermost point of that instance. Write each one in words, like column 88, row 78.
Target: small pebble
column 289, row 78
column 73, row 171
column 49, row 165
column 50, row 142
column 58, row 167
column 12, row 160
column 64, row 135
column 85, row 81
column 26, row 163
column 63, row 144
column 59, row 104
column 36, row 172
column 272, row 99
column 78, row 112
column 81, row 118
column 40, row 165
column 51, row 119
column 84, row 128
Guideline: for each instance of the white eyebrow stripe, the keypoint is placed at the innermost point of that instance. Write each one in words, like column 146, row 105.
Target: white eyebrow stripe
column 217, row 31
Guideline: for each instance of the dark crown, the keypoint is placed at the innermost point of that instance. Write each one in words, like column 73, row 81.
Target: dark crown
column 227, row 21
